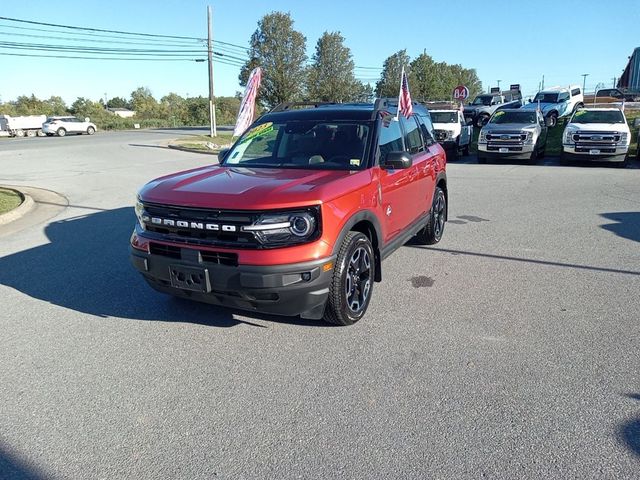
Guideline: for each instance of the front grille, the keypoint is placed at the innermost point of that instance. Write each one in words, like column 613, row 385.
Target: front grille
column 597, row 137
column 441, row 135
column 507, row 137
column 229, row 233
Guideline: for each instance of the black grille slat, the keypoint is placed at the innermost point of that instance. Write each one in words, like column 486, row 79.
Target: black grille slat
column 220, row 258
column 164, row 250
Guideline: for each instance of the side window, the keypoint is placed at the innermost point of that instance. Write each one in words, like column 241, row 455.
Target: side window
column 426, row 128
column 412, row 137
column 563, row 97
column 390, row 138
column 575, row 91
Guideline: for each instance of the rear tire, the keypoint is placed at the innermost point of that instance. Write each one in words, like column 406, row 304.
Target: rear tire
column 19, row 133
column 533, row 159
column 61, row 132
column 352, row 283
column 433, row 230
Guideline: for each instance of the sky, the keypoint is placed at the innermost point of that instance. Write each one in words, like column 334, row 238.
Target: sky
column 510, row 41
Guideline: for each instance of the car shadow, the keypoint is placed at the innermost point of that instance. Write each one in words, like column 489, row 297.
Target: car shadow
column 629, row 432
column 14, row 468
column 627, row 224
column 86, row 268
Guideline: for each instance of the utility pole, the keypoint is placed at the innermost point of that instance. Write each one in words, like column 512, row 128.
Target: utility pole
column 584, row 81
column 543, row 82
column 212, row 106
column 499, row 84
column 614, row 82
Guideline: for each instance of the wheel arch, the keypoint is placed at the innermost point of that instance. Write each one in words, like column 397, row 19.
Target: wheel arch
column 441, row 181
column 366, row 223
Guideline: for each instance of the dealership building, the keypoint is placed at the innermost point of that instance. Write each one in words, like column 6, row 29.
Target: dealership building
column 631, row 75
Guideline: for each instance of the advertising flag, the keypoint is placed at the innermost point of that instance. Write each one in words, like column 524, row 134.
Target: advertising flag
column 248, row 105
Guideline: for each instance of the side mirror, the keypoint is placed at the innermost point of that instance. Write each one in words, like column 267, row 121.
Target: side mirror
column 222, row 154
column 397, row 161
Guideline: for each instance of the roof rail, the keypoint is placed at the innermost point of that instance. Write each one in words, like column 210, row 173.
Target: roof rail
column 281, row 107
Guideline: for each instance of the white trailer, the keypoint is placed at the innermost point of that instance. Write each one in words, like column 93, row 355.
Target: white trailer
column 30, row 125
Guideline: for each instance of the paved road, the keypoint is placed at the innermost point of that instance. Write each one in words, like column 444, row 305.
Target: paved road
column 510, row 350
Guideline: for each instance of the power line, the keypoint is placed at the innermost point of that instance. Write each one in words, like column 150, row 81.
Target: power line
column 104, row 58
column 71, row 27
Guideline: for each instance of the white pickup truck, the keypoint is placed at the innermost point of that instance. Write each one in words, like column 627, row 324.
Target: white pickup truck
column 597, row 134
column 452, row 131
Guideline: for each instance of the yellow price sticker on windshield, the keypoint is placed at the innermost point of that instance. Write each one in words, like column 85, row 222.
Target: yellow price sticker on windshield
column 499, row 114
column 258, row 130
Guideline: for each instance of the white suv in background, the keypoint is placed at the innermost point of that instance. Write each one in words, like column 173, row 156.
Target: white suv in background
column 599, row 134
column 62, row 125
column 557, row 102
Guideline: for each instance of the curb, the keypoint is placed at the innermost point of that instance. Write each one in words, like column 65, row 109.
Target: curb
column 191, row 150
column 20, row 211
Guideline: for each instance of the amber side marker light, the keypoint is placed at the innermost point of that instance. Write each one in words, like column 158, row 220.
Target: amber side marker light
column 327, row 266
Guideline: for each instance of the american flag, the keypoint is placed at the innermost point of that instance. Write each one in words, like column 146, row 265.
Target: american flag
column 404, row 99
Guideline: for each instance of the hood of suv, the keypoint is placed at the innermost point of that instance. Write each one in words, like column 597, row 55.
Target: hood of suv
column 242, row 188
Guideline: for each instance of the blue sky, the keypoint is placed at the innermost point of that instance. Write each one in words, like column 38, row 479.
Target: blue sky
column 516, row 42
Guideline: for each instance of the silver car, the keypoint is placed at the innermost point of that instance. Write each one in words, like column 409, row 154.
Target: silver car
column 62, row 125
column 513, row 134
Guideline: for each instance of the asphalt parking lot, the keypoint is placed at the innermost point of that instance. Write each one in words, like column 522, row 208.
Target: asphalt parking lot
column 509, row 350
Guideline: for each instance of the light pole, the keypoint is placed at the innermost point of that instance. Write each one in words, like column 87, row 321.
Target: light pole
column 584, row 81
column 499, row 84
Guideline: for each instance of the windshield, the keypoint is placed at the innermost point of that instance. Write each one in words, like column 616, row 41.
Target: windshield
column 598, row 116
column 444, row 117
column 313, row 144
column 514, row 117
column 546, row 97
column 482, row 100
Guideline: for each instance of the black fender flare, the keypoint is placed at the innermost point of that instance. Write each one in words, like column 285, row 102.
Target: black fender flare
column 377, row 240
column 442, row 176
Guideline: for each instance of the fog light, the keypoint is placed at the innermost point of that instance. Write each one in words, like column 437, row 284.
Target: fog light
column 306, row 276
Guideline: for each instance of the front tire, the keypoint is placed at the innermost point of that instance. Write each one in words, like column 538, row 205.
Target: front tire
column 352, row 283
column 91, row 131
column 433, row 230
column 61, row 132
column 552, row 119
column 465, row 150
column 482, row 120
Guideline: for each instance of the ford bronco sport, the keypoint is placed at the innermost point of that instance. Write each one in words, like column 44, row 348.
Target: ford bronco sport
column 299, row 214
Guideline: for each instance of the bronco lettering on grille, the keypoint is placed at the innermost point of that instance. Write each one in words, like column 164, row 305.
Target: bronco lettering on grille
column 168, row 222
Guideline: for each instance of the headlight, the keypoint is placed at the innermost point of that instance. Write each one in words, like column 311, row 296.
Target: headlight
column 139, row 212
column 286, row 228
column 624, row 138
column 528, row 139
column 483, row 136
column 568, row 136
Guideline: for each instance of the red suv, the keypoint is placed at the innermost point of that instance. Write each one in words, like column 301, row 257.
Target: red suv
column 300, row 213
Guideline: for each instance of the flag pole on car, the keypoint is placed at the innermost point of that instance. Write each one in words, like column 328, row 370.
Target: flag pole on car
column 405, row 106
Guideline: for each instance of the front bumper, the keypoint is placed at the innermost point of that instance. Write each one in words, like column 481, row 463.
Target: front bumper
column 520, row 152
column 287, row 290
column 617, row 155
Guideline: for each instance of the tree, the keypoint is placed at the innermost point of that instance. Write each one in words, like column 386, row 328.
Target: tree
column 331, row 77
column 143, row 103
column 29, row 105
column 389, row 83
column 280, row 51
column 436, row 80
column 117, row 102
